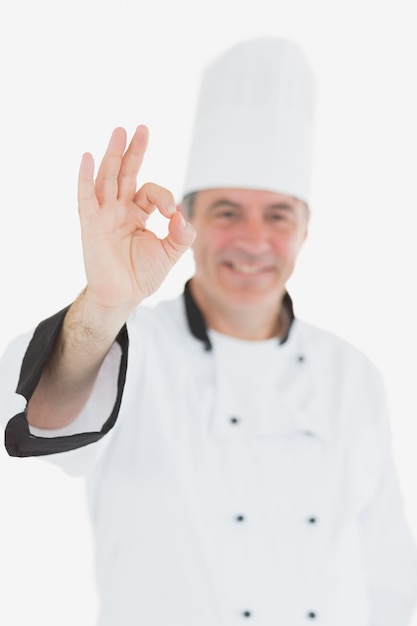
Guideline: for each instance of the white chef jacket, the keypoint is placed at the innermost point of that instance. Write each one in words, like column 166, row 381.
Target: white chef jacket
column 242, row 482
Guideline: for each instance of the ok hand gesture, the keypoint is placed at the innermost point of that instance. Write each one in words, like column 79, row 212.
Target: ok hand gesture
column 124, row 261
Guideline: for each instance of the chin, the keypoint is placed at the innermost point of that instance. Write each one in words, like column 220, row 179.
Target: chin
column 245, row 297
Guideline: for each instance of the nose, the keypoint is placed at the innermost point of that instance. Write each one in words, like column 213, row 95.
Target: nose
column 253, row 235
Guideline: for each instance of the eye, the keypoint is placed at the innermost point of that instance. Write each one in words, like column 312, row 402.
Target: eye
column 226, row 214
column 278, row 216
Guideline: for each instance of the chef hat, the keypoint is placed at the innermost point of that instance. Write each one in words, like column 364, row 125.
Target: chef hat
column 253, row 125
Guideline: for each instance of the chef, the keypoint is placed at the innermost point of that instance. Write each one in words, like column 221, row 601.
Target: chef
column 238, row 460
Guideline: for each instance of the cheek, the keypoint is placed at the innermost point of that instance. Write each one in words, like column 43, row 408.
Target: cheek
column 203, row 251
column 208, row 243
column 286, row 248
column 289, row 246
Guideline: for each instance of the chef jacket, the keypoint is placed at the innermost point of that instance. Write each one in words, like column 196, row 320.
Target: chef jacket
column 230, row 481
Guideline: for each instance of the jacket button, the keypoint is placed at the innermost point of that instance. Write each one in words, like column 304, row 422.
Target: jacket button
column 240, row 518
column 312, row 615
column 234, row 420
column 312, row 520
column 301, row 358
column 247, row 614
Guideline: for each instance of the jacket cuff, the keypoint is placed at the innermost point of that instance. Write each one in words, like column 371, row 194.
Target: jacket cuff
column 19, row 441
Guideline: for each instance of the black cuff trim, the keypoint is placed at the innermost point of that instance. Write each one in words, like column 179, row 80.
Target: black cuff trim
column 20, row 442
column 38, row 353
column 18, row 439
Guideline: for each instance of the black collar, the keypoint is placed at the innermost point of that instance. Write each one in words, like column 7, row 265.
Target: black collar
column 198, row 327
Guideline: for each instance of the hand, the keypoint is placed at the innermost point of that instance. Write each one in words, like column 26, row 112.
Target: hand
column 124, row 261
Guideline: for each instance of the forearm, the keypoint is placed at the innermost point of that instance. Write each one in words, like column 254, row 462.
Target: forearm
column 124, row 261
column 67, row 381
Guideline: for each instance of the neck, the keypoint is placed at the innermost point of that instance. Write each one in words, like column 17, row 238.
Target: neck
column 252, row 323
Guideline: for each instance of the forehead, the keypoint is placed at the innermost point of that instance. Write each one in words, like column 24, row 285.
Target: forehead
column 245, row 198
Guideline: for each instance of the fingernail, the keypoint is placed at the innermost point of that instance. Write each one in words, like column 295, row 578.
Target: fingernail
column 171, row 209
column 183, row 222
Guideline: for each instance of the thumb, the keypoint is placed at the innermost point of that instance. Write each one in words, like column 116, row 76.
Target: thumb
column 181, row 235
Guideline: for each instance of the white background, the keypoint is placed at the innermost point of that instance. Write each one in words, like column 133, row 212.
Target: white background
column 71, row 72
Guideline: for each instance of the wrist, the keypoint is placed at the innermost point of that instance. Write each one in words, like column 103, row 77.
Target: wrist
column 89, row 320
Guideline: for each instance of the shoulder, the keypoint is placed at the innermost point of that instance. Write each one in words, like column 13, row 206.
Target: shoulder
column 164, row 322
column 340, row 362
column 349, row 389
column 331, row 346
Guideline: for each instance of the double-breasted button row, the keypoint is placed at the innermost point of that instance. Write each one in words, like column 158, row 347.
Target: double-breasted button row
column 310, row 614
column 234, row 420
column 240, row 517
column 310, row 520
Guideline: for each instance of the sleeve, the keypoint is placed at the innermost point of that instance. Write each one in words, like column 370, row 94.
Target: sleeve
column 389, row 546
column 20, row 370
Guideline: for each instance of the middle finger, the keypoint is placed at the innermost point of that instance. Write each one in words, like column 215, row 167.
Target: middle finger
column 131, row 163
column 106, row 185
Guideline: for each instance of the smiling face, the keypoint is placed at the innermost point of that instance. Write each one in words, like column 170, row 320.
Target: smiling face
column 245, row 250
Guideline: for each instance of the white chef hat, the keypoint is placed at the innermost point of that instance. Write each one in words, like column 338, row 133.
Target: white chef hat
column 253, row 124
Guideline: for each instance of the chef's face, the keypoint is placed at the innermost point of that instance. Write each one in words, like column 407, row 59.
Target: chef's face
column 246, row 246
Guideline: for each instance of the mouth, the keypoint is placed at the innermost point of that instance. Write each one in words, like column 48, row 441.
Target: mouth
column 248, row 269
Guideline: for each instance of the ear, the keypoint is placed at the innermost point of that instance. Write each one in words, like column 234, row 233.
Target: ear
column 307, row 221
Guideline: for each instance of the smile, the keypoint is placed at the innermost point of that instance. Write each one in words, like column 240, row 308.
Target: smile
column 243, row 268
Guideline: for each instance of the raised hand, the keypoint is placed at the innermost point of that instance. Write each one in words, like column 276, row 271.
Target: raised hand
column 125, row 262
